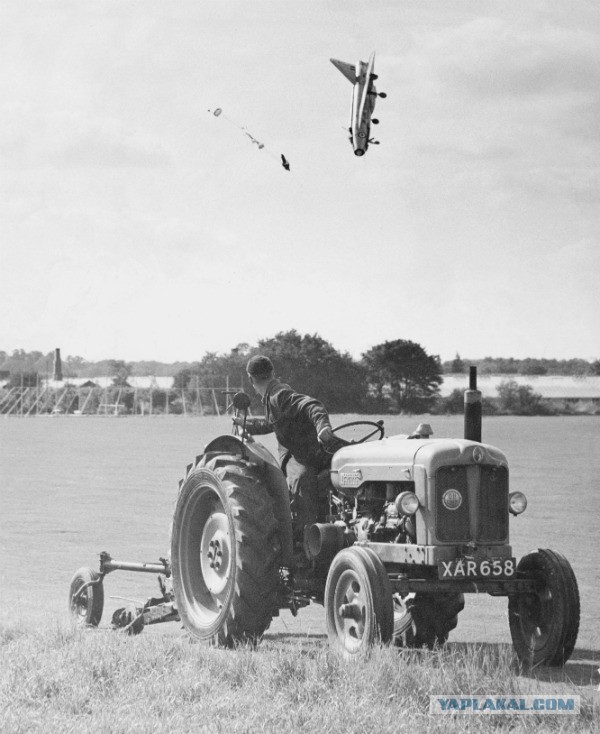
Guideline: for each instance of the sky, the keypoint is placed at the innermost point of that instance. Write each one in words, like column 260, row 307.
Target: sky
column 136, row 225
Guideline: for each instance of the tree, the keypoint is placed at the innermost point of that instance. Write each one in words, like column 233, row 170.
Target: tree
column 119, row 370
column 23, row 379
column 72, row 365
column 520, row 399
column 404, row 375
column 457, row 366
column 453, row 403
column 533, row 367
column 311, row 365
column 215, row 369
column 595, row 367
column 183, row 378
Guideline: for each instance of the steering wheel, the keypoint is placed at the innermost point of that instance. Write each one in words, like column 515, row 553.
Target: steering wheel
column 378, row 426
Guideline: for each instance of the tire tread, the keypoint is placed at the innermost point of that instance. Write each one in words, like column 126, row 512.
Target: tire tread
column 253, row 599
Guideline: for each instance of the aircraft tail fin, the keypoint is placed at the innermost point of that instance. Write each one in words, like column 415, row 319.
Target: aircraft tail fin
column 348, row 70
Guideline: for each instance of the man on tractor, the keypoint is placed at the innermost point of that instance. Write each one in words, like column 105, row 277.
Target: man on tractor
column 306, row 440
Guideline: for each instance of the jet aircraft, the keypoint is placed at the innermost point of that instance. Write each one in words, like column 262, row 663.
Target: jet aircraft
column 363, row 101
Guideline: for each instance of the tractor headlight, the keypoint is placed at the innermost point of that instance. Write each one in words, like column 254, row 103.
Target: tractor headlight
column 406, row 503
column 517, row 502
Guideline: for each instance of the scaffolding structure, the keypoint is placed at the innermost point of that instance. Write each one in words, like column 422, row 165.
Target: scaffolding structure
column 44, row 399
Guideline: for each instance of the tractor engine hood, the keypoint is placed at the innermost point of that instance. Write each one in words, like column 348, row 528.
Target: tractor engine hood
column 393, row 459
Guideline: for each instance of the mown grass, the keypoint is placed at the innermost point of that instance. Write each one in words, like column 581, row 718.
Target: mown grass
column 58, row 679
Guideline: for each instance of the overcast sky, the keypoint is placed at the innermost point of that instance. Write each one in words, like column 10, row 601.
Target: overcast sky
column 136, row 225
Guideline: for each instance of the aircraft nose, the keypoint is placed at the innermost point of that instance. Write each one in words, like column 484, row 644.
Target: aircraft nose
column 359, row 151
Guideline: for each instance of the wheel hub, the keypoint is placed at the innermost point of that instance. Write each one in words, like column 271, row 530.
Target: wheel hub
column 350, row 611
column 215, row 555
column 538, row 613
column 79, row 603
column 350, row 604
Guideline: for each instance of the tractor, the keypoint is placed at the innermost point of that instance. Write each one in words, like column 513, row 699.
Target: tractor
column 410, row 524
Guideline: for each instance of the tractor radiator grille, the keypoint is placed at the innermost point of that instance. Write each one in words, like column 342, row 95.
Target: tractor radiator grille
column 452, row 523
column 471, row 504
column 493, row 504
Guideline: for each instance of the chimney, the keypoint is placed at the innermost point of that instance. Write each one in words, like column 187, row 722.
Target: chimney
column 58, row 375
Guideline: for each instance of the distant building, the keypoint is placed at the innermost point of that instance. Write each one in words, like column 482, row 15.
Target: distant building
column 133, row 381
column 579, row 393
column 88, row 383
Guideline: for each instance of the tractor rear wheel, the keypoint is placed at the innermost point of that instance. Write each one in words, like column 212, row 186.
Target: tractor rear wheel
column 86, row 597
column 358, row 602
column 225, row 550
column 434, row 617
column 544, row 625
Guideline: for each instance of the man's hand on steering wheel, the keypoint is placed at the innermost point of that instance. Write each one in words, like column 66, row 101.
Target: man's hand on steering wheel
column 329, row 441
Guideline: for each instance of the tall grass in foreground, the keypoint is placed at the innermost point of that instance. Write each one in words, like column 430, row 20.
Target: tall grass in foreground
column 62, row 680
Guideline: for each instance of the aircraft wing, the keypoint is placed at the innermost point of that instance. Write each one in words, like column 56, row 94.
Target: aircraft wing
column 367, row 86
column 348, row 70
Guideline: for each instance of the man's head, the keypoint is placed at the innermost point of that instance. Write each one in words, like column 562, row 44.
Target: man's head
column 260, row 372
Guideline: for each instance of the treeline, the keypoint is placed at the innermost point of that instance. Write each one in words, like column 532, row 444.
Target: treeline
column 20, row 361
column 512, row 399
column 395, row 376
column 528, row 366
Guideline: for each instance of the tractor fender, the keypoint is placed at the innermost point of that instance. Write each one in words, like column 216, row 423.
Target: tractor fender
column 274, row 479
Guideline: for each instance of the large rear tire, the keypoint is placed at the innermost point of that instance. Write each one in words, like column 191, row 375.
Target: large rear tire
column 86, row 597
column 434, row 617
column 544, row 625
column 358, row 602
column 224, row 553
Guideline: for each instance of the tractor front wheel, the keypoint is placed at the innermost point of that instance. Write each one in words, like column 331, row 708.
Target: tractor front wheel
column 544, row 624
column 358, row 602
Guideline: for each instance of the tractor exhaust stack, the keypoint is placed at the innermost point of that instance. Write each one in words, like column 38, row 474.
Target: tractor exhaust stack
column 473, row 408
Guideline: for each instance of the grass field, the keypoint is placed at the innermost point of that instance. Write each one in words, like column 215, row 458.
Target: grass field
column 72, row 487
column 58, row 680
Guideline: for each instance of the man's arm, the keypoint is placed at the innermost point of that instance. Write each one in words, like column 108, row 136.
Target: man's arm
column 291, row 404
column 254, row 426
column 296, row 404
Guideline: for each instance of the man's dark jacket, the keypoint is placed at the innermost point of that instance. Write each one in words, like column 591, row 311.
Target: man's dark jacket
column 296, row 420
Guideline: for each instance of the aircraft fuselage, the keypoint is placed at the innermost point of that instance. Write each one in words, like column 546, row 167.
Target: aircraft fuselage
column 360, row 120
column 364, row 94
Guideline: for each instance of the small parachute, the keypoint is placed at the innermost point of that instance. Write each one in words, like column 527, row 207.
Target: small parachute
column 218, row 112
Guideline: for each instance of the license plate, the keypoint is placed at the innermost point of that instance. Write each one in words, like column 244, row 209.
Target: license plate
column 468, row 568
